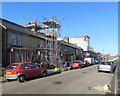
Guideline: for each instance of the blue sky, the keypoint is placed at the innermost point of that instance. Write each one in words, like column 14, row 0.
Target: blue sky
column 99, row 20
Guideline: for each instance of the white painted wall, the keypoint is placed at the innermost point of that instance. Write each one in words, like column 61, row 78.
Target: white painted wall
column 80, row 41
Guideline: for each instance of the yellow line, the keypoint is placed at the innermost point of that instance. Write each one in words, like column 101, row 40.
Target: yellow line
column 100, row 88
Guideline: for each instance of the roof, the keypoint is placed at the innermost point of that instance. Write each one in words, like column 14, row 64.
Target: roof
column 82, row 37
column 69, row 44
column 19, row 28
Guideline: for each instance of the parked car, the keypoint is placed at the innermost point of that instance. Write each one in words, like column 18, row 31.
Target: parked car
column 23, row 70
column 90, row 60
column 77, row 64
column 87, row 63
column 114, row 63
column 106, row 66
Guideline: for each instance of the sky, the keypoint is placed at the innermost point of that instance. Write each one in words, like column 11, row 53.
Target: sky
column 99, row 20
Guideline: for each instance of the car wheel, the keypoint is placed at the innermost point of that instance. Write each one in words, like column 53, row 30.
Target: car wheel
column 21, row 78
column 86, row 65
column 44, row 74
column 71, row 68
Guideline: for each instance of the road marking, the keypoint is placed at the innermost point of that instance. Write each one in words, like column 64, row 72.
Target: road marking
column 100, row 88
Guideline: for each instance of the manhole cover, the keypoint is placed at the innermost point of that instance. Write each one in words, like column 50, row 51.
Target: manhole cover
column 57, row 82
column 84, row 72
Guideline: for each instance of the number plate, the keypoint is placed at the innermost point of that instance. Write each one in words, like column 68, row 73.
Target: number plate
column 74, row 66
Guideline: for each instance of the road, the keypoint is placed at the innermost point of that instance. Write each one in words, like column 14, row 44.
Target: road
column 79, row 81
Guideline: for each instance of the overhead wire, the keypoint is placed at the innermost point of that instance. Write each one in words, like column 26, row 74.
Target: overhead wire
column 99, row 13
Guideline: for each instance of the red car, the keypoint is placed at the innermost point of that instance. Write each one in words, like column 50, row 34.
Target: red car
column 77, row 64
column 23, row 70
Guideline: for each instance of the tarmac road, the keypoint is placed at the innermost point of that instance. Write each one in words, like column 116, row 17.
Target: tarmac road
column 79, row 81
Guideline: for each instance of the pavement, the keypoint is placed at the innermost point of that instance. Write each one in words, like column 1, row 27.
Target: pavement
column 117, row 79
column 77, row 81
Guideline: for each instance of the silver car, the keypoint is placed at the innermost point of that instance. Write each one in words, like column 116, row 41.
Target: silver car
column 106, row 66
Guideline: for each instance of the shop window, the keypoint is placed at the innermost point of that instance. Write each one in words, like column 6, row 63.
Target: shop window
column 13, row 39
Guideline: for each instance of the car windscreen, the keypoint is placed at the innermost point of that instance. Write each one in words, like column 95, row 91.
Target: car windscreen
column 74, row 62
column 106, row 63
column 12, row 66
column 80, row 62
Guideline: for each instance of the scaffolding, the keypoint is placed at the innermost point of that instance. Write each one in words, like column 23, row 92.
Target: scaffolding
column 52, row 31
column 50, row 27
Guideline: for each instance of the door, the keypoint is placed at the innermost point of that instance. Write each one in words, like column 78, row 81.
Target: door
column 35, row 70
column 24, row 69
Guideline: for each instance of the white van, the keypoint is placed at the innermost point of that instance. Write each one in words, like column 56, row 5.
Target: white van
column 90, row 60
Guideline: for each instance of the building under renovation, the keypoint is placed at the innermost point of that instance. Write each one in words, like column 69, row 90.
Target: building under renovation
column 35, row 43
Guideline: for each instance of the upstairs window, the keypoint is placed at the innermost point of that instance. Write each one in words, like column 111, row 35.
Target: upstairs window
column 19, row 40
column 38, row 43
column 16, row 39
column 13, row 39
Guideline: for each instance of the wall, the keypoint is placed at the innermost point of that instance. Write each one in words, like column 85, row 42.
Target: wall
column 80, row 41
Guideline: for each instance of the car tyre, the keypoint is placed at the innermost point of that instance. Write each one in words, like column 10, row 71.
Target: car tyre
column 44, row 74
column 21, row 78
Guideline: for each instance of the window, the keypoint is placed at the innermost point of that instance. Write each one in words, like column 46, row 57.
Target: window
column 38, row 43
column 74, row 61
column 105, row 63
column 24, row 66
column 19, row 40
column 13, row 39
column 23, row 56
column 29, row 58
column 80, row 62
column 42, row 58
column 12, row 66
column 17, row 57
column 34, row 66
column 48, row 44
